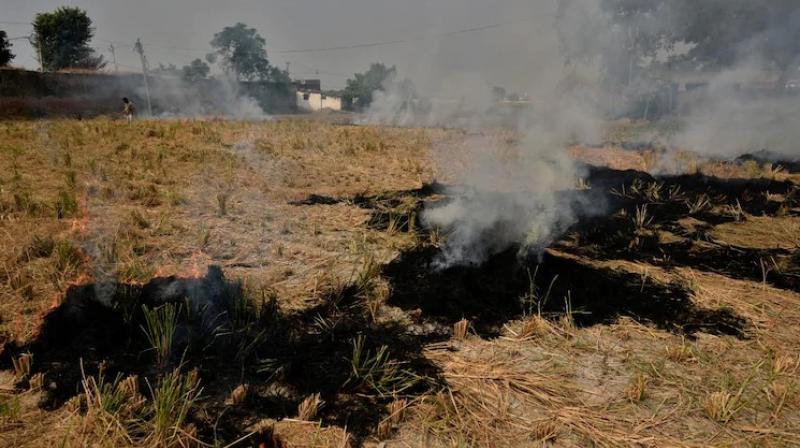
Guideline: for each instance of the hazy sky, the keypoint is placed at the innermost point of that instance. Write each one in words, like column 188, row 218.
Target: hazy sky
column 497, row 55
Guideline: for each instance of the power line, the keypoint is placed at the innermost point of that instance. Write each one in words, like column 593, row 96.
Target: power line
column 403, row 41
column 162, row 46
column 343, row 47
column 317, row 70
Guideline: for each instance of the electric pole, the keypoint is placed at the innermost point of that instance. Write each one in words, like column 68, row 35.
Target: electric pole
column 139, row 48
column 114, row 57
column 288, row 73
column 38, row 44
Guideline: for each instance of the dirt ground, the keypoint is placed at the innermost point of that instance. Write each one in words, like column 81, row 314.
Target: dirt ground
column 671, row 319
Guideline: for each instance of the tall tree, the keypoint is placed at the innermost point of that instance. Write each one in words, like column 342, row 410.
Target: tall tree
column 727, row 31
column 63, row 37
column 5, row 49
column 166, row 70
column 241, row 50
column 721, row 33
column 195, row 71
column 362, row 86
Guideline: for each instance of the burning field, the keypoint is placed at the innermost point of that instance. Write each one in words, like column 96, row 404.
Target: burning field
column 296, row 283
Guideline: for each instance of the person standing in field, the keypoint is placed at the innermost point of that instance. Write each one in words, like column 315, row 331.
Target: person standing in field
column 128, row 109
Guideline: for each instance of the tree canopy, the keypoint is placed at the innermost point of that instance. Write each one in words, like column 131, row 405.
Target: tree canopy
column 196, row 70
column 639, row 37
column 5, row 49
column 720, row 33
column 168, row 70
column 726, row 31
column 241, row 50
column 362, row 86
column 63, row 38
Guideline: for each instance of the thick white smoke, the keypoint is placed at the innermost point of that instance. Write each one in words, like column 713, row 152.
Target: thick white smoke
column 507, row 196
column 221, row 96
column 512, row 197
column 583, row 62
column 742, row 111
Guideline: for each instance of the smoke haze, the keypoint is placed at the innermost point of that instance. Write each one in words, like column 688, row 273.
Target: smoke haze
column 581, row 63
column 509, row 195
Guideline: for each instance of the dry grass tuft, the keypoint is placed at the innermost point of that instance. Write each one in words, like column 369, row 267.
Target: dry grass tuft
column 679, row 353
column 785, row 364
column 546, row 431
column 637, row 390
column 36, row 382
column 460, row 330
column 720, row 406
column 239, row 395
column 776, row 393
column 22, row 365
column 307, row 410
column 487, row 399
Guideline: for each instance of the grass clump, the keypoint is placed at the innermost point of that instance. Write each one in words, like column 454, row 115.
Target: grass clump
column 10, row 408
column 222, row 204
column 309, row 407
column 109, row 398
column 377, row 372
column 172, row 400
column 721, row 406
column 160, row 325
column 25, row 203
column 41, row 247
column 136, row 269
column 22, row 365
column 66, row 205
column 534, row 300
column 67, row 256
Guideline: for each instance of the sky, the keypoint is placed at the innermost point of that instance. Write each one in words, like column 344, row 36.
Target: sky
column 498, row 52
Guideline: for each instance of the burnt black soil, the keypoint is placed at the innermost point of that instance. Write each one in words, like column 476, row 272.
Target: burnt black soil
column 614, row 235
column 302, row 353
column 100, row 327
column 400, row 208
column 497, row 291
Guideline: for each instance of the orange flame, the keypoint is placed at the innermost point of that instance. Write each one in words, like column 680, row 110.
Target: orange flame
column 193, row 270
column 80, row 224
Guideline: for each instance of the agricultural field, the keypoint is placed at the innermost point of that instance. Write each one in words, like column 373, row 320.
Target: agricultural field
column 272, row 284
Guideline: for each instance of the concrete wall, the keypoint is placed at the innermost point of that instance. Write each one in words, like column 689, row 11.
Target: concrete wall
column 33, row 94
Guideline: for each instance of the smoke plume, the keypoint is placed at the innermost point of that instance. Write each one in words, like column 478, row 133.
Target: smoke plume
column 506, row 195
column 733, row 116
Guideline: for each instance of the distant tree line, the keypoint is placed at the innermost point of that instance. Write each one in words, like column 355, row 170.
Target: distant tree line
column 63, row 38
column 5, row 49
column 713, row 35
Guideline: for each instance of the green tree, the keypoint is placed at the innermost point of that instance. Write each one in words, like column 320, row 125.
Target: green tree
column 726, row 31
column 721, row 33
column 5, row 49
column 197, row 70
column 241, row 51
column 166, row 70
column 63, row 38
column 361, row 88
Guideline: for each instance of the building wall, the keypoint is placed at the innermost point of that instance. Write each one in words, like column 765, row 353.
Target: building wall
column 27, row 93
column 316, row 101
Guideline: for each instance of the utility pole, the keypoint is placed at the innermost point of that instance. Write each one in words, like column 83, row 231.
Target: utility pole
column 114, row 57
column 38, row 44
column 139, row 48
column 288, row 64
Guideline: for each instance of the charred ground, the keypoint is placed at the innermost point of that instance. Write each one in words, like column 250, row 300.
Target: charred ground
column 672, row 310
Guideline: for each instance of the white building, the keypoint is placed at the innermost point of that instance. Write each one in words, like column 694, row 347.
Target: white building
column 315, row 101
